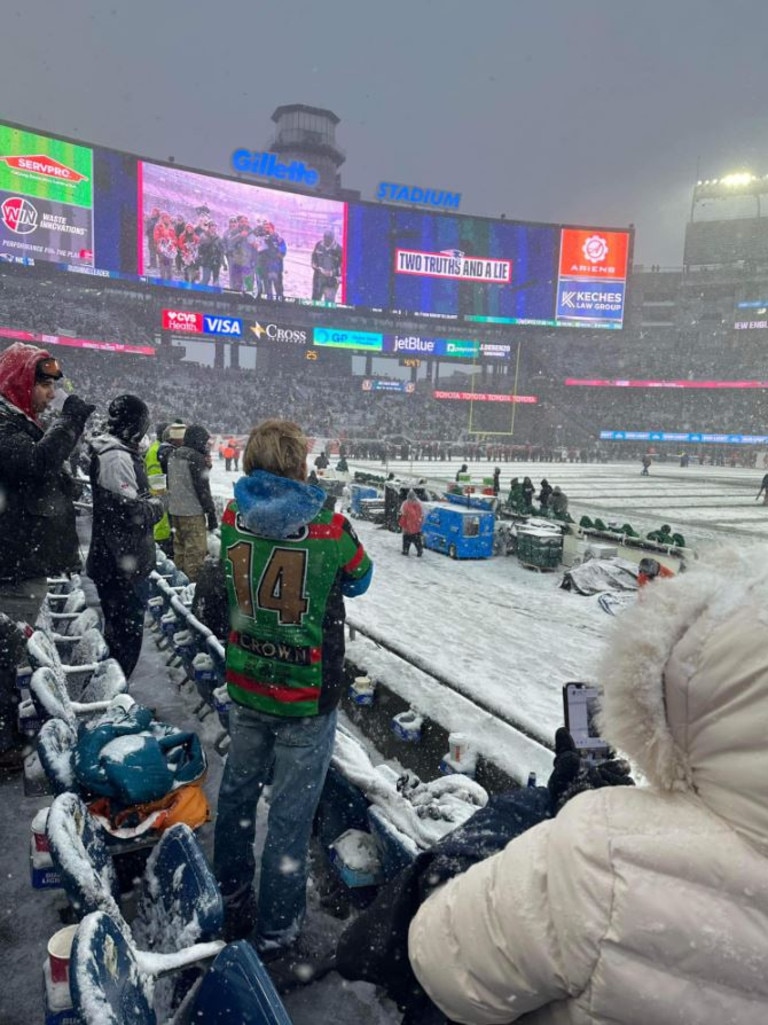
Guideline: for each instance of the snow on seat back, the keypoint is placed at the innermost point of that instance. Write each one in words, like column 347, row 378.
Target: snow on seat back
column 89, row 649
column 50, row 695
column 56, row 744
column 179, row 903
column 88, row 619
column 108, row 680
column 106, row 984
column 43, row 652
column 80, row 853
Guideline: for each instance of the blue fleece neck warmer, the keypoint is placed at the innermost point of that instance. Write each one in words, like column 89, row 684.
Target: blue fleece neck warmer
column 273, row 506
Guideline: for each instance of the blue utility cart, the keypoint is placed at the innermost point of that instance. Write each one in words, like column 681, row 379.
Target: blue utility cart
column 458, row 531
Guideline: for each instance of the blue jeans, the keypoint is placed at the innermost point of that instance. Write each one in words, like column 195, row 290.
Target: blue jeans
column 297, row 753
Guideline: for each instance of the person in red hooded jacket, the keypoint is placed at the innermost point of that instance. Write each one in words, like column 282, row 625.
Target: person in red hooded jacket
column 410, row 521
column 37, row 515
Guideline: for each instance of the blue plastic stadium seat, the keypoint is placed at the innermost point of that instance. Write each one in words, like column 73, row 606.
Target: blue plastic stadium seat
column 105, row 981
column 109, row 985
column 178, row 898
column 237, row 988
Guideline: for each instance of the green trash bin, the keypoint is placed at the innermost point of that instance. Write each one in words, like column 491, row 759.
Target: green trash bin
column 539, row 549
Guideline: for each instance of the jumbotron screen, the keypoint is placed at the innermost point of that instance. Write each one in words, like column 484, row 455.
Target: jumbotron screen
column 96, row 211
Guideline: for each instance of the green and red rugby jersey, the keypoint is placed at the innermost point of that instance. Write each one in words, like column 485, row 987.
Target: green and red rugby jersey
column 285, row 651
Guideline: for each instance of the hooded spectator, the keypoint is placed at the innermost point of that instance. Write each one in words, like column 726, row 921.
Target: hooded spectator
column 544, row 496
column 190, row 502
column 641, row 904
column 559, row 503
column 410, row 521
column 122, row 552
column 37, row 515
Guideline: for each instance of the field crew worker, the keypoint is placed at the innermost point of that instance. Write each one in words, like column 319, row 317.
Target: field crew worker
column 287, row 564
column 162, row 529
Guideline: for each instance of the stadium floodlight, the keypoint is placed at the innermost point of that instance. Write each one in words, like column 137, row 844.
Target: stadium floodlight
column 737, row 179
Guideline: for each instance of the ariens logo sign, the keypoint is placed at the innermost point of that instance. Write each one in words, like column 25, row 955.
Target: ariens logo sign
column 266, row 165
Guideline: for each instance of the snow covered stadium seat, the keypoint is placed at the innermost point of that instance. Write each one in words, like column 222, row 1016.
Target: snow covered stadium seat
column 178, row 904
column 114, row 984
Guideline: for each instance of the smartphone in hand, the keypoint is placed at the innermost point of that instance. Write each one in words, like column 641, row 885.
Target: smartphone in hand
column 580, row 705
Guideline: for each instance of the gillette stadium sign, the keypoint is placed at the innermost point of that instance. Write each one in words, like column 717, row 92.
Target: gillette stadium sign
column 267, row 165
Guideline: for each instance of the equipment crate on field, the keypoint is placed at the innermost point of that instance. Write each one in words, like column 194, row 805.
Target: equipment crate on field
column 539, row 549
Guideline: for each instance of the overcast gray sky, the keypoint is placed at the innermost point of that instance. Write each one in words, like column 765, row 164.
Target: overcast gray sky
column 584, row 111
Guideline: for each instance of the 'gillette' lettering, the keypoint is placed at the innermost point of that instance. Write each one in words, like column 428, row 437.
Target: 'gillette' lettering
column 266, row 165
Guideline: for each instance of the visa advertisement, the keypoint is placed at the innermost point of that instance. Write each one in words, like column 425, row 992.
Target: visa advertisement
column 46, row 198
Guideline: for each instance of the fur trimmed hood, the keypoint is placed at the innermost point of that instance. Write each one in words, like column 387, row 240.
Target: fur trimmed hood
column 276, row 507
column 685, row 686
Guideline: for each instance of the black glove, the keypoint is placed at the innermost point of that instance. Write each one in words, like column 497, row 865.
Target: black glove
column 212, row 521
column 77, row 409
column 571, row 775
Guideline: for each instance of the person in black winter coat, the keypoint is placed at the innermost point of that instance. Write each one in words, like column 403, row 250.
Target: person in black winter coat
column 528, row 491
column 122, row 552
column 37, row 517
column 545, row 495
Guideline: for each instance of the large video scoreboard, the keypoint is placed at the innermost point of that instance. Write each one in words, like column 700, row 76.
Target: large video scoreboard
column 96, row 211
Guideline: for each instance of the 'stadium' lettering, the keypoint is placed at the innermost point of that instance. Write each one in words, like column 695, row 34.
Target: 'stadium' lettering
column 397, row 193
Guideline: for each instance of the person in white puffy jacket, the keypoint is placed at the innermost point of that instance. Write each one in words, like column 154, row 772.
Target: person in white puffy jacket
column 644, row 905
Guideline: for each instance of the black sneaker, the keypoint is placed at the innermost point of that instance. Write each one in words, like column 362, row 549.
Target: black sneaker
column 240, row 911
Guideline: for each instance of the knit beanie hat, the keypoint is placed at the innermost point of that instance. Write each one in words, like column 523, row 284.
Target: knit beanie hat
column 128, row 418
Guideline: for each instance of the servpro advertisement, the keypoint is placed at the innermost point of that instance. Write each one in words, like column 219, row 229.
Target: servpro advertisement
column 46, row 198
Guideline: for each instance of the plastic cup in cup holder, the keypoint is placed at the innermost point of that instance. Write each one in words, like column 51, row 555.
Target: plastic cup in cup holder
column 59, row 948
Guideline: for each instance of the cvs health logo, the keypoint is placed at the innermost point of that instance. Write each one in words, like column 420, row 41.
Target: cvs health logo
column 19, row 216
column 183, row 321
